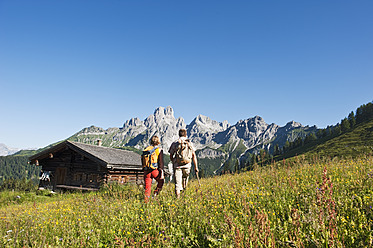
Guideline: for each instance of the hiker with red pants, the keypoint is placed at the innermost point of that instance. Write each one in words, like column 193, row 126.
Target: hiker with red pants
column 152, row 161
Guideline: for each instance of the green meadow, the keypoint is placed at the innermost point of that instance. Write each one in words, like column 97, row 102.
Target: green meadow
column 318, row 203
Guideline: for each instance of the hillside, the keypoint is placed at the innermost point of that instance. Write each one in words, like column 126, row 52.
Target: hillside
column 353, row 143
column 17, row 167
column 222, row 147
column 350, row 144
column 321, row 203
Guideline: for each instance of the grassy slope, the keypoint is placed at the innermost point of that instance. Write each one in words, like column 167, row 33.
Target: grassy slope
column 317, row 204
column 350, row 144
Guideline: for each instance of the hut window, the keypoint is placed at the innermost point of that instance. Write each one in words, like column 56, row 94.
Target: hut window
column 92, row 178
column 76, row 177
column 80, row 177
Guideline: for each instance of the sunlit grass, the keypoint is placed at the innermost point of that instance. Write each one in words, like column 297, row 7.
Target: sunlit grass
column 302, row 204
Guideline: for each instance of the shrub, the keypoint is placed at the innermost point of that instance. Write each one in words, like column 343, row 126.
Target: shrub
column 18, row 185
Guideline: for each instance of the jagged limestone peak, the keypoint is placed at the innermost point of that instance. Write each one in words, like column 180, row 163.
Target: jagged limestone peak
column 202, row 131
column 133, row 122
column 169, row 111
column 293, row 124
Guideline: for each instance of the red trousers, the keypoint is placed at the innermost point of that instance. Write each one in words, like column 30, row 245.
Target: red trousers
column 148, row 178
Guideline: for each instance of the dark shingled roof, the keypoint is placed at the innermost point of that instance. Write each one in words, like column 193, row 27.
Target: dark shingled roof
column 110, row 157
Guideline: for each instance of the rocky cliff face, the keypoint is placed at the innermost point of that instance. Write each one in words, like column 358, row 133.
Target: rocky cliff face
column 252, row 131
column 208, row 136
column 136, row 132
column 202, row 131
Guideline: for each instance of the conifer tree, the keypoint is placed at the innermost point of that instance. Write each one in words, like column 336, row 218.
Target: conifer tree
column 276, row 150
column 345, row 125
column 351, row 119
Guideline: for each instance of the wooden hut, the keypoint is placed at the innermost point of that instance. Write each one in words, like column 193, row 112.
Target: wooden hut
column 73, row 165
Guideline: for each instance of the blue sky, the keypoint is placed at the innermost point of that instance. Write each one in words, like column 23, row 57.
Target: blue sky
column 66, row 65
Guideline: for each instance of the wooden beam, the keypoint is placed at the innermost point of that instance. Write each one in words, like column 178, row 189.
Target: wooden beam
column 75, row 187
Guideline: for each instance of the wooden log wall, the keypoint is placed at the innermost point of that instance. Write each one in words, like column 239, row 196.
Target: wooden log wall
column 72, row 169
column 126, row 176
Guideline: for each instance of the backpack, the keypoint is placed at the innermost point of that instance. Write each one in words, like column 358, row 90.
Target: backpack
column 184, row 152
column 149, row 158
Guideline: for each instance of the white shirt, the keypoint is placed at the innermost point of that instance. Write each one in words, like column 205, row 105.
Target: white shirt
column 173, row 148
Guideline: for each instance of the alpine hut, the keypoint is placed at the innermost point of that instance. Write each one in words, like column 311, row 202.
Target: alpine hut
column 74, row 165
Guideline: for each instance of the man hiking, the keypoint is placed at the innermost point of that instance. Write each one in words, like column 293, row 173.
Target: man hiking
column 182, row 154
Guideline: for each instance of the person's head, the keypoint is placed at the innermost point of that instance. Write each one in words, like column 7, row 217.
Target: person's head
column 182, row 133
column 154, row 141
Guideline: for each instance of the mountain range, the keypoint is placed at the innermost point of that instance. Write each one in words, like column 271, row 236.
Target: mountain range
column 5, row 151
column 212, row 139
column 221, row 147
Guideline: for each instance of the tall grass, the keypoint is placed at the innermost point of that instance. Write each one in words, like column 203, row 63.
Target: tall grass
column 324, row 203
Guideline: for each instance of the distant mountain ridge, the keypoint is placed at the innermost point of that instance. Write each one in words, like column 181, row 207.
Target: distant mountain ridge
column 222, row 147
column 212, row 139
column 6, row 151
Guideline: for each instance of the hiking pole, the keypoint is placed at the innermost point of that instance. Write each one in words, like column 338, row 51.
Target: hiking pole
column 199, row 183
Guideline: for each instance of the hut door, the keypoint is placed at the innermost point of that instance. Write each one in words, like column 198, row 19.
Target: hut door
column 61, row 175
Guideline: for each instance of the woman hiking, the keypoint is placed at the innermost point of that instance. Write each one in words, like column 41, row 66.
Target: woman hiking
column 152, row 160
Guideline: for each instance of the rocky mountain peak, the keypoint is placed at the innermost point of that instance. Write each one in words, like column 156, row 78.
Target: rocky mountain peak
column 133, row 122
column 225, row 124
column 161, row 116
column 205, row 122
column 202, row 119
column 161, row 112
column 202, row 131
column 257, row 120
column 5, row 150
column 291, row 125
column 169, row 111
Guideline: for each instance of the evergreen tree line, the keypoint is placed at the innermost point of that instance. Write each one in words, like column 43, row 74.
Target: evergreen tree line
column 259, row 159
column 363, row 114
column 15, row 170
column 249, row 163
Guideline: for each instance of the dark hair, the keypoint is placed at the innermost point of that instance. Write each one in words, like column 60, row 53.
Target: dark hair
column 182, row 133
column 154, row 141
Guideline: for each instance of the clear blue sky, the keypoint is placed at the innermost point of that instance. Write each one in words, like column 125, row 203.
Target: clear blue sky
column 66, row 65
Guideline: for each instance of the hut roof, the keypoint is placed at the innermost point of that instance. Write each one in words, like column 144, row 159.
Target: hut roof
column 109, row 157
